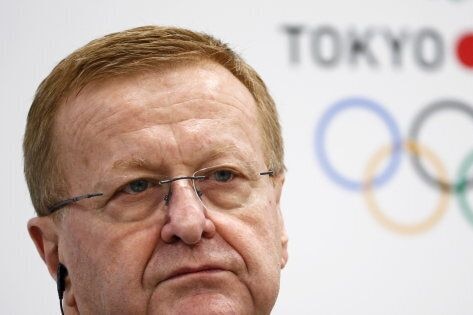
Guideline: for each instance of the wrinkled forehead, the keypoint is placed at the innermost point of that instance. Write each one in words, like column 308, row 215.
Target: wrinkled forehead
column 201, row 103
column 165, row 87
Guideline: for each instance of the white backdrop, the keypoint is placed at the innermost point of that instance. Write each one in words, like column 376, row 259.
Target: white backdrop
column 400, row 54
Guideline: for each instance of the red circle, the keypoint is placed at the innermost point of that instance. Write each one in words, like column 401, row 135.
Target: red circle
column 465, row 50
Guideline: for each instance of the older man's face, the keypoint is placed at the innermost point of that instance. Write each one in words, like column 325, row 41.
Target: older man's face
column 183, row 258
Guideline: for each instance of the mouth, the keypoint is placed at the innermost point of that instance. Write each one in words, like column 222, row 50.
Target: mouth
column 191, row 271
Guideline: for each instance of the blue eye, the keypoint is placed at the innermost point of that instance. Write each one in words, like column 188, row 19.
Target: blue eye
column 137, row 186
column 223, row 175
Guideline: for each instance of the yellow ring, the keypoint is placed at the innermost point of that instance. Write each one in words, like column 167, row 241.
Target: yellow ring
column 389, row 223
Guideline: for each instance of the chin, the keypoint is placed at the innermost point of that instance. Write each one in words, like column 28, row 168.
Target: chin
column 202, row 294
column 206, row 303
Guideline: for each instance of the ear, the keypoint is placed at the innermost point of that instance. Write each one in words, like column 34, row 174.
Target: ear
column 43, row 232
column 70, row 299
column 279, row 183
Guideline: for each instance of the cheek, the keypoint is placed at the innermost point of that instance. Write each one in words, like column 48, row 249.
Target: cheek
column 253, row 233
column 250, row 231
column 99, row 253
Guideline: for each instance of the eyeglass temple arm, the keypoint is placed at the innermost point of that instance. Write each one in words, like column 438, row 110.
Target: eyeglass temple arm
column 270, row 173
column 66, row 202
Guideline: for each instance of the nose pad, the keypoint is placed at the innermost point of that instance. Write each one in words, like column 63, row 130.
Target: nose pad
column 187, row 217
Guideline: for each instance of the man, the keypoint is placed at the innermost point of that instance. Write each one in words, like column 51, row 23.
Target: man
column 154, row 161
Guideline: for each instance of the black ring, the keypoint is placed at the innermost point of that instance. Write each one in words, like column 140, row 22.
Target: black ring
column 414, row 134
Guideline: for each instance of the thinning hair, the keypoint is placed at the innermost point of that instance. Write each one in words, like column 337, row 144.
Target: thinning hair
column 128, row 52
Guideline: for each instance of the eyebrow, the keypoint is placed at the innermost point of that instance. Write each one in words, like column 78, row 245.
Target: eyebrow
column 215, row 153
column 233, row 150
column 133, row 163
column 225, row 149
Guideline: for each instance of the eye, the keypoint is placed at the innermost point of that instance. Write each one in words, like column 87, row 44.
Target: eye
column 223, row 175
column 137, row 186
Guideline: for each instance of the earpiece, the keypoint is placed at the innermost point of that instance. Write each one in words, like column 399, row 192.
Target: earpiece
column 61, row 283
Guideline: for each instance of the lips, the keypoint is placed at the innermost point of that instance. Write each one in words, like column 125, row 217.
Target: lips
column 187, row 271
column 208, row 260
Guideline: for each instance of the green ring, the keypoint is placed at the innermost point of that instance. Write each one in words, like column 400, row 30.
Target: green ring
column 462, row 186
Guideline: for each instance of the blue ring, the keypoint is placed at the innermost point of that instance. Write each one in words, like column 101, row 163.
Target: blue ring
column 377, row 109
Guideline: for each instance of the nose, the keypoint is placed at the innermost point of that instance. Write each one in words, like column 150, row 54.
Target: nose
column 187, row 218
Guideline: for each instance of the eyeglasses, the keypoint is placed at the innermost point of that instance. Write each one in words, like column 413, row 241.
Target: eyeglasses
column 221, row 187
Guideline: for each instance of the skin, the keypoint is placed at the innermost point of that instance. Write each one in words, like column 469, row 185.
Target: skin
column 178, row 120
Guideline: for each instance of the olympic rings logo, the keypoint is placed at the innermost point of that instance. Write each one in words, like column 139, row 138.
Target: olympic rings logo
column 371, row 179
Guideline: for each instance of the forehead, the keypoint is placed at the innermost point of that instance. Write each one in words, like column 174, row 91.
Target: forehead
column 159, row 89
column 168, row 114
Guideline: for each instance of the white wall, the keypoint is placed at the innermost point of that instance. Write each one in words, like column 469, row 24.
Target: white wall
column 342, row 259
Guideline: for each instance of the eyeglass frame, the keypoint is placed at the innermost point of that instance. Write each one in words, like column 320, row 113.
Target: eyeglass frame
column 63, row 203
